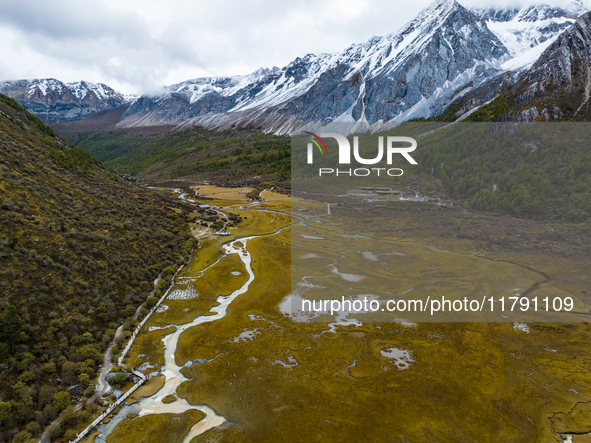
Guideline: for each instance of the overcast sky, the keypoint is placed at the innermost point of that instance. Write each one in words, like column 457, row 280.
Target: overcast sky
column 135, row 46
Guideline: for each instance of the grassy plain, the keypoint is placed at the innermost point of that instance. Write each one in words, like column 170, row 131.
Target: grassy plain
column 148, row 347
column 468, row 382
column 260, row 222
column 277, row 205
column 91, row 437
column 234, row 204
column 293, row 381
column 222, row 193
column 148, row 389
column 170, row 428
column 220, row 282
column 274, row 196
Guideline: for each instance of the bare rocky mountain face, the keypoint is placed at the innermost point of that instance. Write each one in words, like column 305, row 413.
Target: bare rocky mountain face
column 560, row 80
column 54, row 101
column 447, row 54
column 443, row 54
column 556, row 87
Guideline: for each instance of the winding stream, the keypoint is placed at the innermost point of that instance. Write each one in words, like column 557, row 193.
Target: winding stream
column 172, row 371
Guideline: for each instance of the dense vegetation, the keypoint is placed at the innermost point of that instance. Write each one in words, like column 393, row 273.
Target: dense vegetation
column 228, row 155
column 537, row 171
column 79, row 251
column 540, row 171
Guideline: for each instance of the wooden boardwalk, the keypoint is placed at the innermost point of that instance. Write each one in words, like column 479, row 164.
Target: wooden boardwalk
column 148, row 315
column 143, row 378
column 110, row 409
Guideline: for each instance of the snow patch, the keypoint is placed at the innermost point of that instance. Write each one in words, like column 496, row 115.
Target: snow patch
column 521, row 327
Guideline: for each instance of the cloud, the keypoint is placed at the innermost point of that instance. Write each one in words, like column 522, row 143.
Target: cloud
column 137, row 46
column 66, row 36
column 518, row 3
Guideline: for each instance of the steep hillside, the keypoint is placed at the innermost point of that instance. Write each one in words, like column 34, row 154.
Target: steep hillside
column 194, row 153
column 55, row 101
column 79, row 252
column 541, row 172
column 109, row 144
column 556, row 88
column 98, row 121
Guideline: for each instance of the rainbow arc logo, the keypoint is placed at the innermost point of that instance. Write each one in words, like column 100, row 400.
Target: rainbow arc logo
column 316, row 142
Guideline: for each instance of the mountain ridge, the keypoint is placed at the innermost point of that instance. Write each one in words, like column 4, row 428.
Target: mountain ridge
column 557, row 87
column 55, row 101
column 443, row 53
column 343, row 77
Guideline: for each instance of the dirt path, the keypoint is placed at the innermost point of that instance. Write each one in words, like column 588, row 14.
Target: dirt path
column 107, row 365
column 102, row 381
column 198, row 234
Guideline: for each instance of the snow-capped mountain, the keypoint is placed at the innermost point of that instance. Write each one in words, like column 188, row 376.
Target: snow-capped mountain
column 442, row 49
column 417, row 71
column 444, row 53
column 527, row 32
column 55, row 101
column 556, row 87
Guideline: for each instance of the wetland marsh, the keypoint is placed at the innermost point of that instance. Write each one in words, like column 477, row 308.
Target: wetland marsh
column 230, row 353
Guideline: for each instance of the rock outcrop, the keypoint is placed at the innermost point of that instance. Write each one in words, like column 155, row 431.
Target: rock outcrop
column 54, row 101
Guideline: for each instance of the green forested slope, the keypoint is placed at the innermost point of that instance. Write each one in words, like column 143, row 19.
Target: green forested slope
column 536, row 171
column 540, row 171
column 196, row 152
column 79, row 250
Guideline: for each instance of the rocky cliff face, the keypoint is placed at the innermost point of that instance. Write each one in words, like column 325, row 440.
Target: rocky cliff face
column 556, row 87
column 560, row 81
column 393, row 77
column 55, row 101
column 446, row 52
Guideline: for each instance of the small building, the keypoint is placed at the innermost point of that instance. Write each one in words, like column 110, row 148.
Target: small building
column 412, row 197
column 371, row 188
column 389, row 192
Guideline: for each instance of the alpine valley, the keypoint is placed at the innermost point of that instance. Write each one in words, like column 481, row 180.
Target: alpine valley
column 153, row 247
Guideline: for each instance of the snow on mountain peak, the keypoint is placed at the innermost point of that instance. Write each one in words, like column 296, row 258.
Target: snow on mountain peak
column 523, row 30
column 438, row 10
column 56, row 101
column 51, row 86
column 543, row 12
column 446, row 50
column 438, row 7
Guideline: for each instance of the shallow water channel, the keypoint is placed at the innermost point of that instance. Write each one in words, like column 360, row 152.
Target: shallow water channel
column 172, row 372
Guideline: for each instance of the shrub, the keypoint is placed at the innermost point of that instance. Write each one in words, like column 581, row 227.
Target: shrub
column 119, row 379
column 62, row 400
